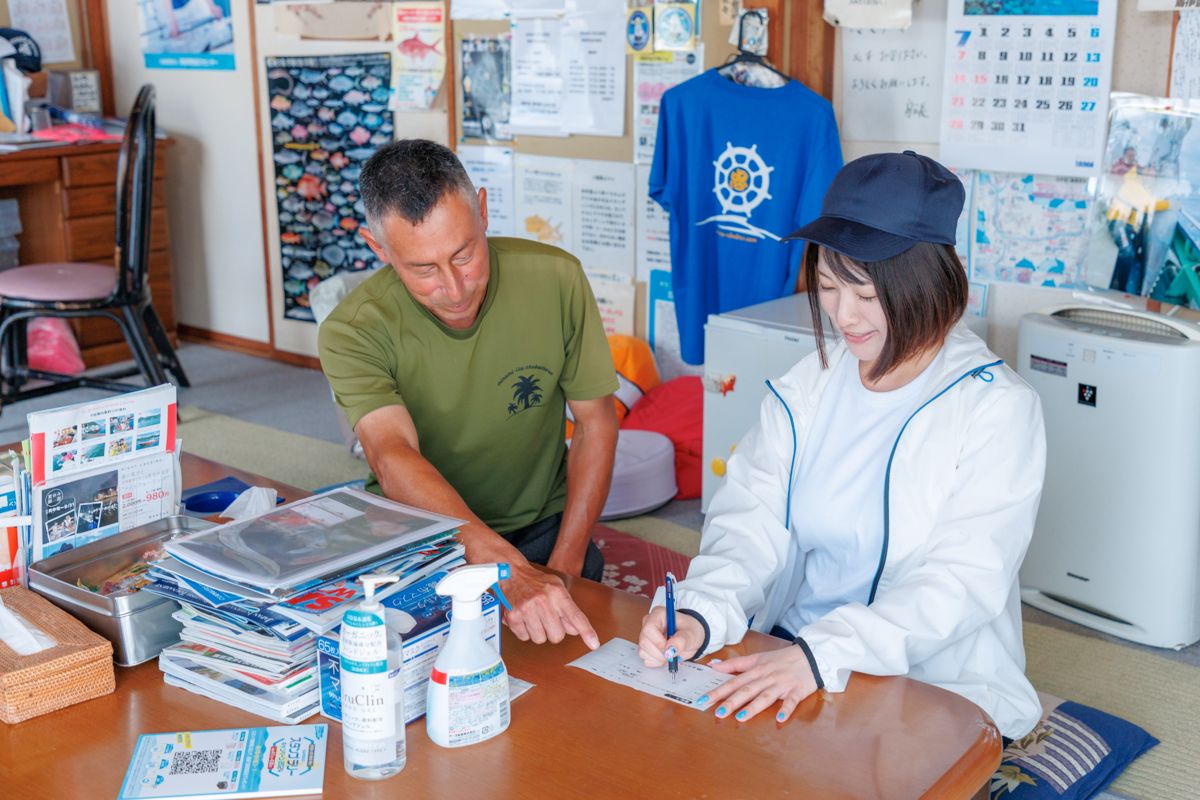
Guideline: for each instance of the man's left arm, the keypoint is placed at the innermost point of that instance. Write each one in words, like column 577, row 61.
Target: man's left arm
column 589, row 473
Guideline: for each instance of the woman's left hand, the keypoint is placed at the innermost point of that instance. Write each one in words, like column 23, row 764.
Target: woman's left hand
column 782, row 675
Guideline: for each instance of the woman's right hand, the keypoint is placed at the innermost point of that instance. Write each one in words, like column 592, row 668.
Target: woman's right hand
column 653, row 641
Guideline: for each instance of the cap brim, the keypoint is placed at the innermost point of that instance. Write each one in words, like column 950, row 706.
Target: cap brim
column 853, row 239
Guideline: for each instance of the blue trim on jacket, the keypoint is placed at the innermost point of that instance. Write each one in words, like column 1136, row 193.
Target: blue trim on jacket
column 887, row 476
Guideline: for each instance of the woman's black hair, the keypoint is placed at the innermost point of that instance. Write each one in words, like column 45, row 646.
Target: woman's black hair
column 923, row 293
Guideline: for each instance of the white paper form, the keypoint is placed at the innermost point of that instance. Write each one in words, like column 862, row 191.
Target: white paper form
column 602, row 205
column 653, row 226
column 543, row 199
column 1185, row 57
column 594, row 66
column 49, row 25
column 491, row 168
column 617, row 660
column 419, row 55
column 653, row 74
column 537, row 76
column 892, row 79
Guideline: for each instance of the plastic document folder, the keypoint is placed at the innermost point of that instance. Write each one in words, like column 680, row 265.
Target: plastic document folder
column 307, row 541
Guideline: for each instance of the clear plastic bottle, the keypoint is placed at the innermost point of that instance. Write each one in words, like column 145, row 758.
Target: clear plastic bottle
column 373, row 741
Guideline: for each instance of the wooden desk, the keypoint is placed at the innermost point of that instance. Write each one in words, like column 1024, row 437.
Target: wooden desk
column 573, row 735
column 67, row 205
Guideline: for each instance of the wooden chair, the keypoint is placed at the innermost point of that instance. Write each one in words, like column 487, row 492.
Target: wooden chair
column 120, row 293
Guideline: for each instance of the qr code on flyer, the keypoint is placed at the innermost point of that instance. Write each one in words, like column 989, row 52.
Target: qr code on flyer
column 195, row 762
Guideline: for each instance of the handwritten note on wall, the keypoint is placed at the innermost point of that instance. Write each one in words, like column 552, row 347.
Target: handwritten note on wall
column 892, row 79
column 1185, row 62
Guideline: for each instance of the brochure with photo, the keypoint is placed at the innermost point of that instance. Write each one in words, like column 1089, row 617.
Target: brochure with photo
column 308, row 540
column 101, row 433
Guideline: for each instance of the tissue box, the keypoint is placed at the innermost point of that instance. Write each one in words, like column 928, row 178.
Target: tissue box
column 79, row 667
column 431, row 613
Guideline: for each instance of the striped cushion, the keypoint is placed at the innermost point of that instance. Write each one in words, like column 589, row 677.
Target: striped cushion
column 58, row 281
column 1072, row 754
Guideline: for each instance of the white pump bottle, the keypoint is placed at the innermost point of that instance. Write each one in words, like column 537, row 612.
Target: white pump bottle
column 373, row 744
column 467, row 697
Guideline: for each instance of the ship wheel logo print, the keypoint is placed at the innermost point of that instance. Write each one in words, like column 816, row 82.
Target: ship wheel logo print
column 741, row 182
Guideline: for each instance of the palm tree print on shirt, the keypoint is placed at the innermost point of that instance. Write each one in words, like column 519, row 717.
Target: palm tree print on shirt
column 527, row 393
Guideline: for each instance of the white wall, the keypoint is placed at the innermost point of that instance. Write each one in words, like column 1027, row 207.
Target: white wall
column 212, row 184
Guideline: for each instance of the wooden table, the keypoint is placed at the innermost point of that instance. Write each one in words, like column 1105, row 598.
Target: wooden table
column 573, row 735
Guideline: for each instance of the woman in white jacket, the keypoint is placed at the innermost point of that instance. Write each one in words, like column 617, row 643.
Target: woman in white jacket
column 878, row 514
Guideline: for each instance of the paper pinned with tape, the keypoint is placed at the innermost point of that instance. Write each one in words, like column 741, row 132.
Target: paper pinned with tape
column 868, row 13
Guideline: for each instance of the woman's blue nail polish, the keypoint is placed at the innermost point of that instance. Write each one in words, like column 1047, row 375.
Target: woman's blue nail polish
column 721, row 711
column 740, row 715
column 779, row 716
column 703, row 699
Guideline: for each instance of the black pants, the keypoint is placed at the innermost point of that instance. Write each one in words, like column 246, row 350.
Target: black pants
column 536, row 542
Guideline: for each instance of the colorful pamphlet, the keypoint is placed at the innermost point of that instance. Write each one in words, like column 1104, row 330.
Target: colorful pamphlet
column 306, row 542
column 239, row 763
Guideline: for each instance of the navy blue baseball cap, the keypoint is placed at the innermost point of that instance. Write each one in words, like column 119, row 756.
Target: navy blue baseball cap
column 880, row 205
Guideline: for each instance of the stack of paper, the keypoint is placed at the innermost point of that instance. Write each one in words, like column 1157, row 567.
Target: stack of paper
column 256, row 594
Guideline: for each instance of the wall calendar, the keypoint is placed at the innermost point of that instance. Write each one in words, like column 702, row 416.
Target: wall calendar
column 1027, row 85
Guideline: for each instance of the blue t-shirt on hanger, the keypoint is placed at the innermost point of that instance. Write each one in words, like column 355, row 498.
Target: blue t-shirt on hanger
column 738, row 168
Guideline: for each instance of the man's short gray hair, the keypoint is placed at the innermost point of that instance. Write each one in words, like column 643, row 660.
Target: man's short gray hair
column 409, row 178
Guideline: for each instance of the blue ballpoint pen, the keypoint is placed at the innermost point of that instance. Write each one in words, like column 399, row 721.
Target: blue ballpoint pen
column 673, row 661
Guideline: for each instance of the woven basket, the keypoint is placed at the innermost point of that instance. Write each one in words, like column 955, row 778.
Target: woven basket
column 78, row 667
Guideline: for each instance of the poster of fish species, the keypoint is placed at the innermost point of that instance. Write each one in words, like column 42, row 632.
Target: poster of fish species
column 329, row 114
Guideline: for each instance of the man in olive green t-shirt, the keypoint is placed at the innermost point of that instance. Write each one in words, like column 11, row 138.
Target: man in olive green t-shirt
column 455, row 367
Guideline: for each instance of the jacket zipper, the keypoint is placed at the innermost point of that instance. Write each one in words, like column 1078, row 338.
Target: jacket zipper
column 887, row 476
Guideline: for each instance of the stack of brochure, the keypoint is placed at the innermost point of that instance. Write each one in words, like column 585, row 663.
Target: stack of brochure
column 256, row 594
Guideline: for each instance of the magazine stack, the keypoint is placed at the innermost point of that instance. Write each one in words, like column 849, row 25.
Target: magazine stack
column 256, row 594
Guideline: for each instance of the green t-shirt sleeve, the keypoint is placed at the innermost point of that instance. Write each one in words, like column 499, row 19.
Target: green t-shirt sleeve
column 588, row 371
column 358, row 367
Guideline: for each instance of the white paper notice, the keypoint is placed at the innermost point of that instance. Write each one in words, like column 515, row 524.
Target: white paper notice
column 602, row 215
column 615, row 297
column 617, row 660
column 478, row 9
column 653, row 229
column 869, row 13
column 594, row 57
column 419, row 58
column 1185, row 58
column 491, row 168
column 49, row 25
column 892, row 79
column 543, row 199
column 653, row 74
column 537, row 76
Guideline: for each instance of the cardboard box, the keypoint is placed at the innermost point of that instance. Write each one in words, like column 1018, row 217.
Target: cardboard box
column 421, row 644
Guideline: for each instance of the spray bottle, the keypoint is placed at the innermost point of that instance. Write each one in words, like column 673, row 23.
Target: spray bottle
column 467, row 697
column 373, row 745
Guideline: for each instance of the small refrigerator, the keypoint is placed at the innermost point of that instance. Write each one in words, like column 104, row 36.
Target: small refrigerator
column 742, row 350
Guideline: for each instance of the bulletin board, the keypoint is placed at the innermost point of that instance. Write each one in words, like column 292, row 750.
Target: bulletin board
column 800, row 44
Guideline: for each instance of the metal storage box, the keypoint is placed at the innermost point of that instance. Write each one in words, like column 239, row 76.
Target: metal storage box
column 139, row 625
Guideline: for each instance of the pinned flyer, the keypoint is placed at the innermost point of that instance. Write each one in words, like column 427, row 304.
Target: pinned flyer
column 101, row 433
